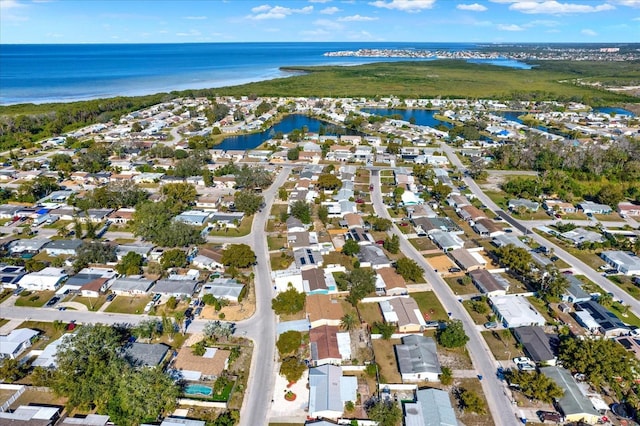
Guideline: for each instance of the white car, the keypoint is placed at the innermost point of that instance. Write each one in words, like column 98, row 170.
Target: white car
column 526, row 367
column 522, row 360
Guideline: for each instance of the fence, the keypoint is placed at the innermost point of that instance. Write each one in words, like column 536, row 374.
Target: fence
column 19, row 391
column 198, row 403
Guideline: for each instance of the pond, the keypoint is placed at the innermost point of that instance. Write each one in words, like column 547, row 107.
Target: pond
column 288, row 124
column 198, row 390
column 423, row 117
column 617, row 111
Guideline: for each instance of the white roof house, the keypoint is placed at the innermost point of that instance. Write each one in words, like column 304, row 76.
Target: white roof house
column 432, row 408
column 47, row 358
column 515, row 311
column 329, row 390
column 223, row 288
column 47, row 279
column 625, row 263
column 14, row 343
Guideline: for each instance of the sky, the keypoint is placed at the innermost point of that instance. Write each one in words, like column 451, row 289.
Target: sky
column 189, row 21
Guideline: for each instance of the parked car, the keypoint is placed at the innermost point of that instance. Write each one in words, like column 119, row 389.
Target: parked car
column 454, row 270
column 111, row 297
column 53, row 301
column 156, row 297
column 551, row 416
column 522, row 360
column 491, row 324
column 526, row 367
column 188, row 313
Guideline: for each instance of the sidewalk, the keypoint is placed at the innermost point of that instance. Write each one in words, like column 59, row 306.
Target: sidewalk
column 10, row 326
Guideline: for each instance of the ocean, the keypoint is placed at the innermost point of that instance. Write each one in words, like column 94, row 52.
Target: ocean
column 62, row 73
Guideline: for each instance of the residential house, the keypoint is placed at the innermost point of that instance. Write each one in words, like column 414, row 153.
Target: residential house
column 404, row 313
column 131, row 286
column 121, row 216
column 630, row 343
column 33, row 415
column 418, row 359
column 574, row 293
column 420, row 210
column 538, row 345
column 94, row 288
column 515, row 311
column 328, row 345
column 16, row 342
column 86, row 276
column 559, row 206
column 316, row 280
column 297, row 240
column 432, row 408
column 506, row 239
column 624, row 262
column 47, row 279
column 322, row 309
column 628, row 209
column 27, row 246
column 521, row 203
column 88, row 420
column 429, row 225
column 180, row 421
column 471, row 214
column 608, row 324
column 193, row 217
column 193, row 367
column 589, row 207
column 295, row 225
column 142, row 249
column 468, row 260
column 329, row 390
column 175, row 288
column 359, row 235
column 580, row 235
column 63, row 247
column 371, row 256
column 489, row 284
column 10, row 275
column 487, row 228
column 389, row 282
column 145, row 354
column 446, row 240
column 223, row 288
column 574, row 405
column 208, row 259
column 229, row 220
column 47, row 358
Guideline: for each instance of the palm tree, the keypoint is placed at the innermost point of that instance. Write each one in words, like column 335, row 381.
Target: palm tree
column 348, row 322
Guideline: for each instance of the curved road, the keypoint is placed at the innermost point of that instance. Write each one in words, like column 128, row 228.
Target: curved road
column 579, row 266
column 485, row 364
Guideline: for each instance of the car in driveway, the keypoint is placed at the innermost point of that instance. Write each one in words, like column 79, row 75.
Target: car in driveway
column 53, row 301
column 111, row 297
column 491, row 324
column 522, row 360
column 526, row 367
column 454, row 270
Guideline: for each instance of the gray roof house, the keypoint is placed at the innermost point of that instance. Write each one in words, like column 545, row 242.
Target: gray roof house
column 537, row 344
column 306, row 258
column 373, row 257
column 609, row 324
column 418, row 359
column 145, row 354
column 131, row 286
column 515, row 204
column 574, row 293
column 446, row 240
column 176, row 288
column 591, row 207
column 625, row 263
column 14, row 343
column 573, row 404
column 63, row 247
column 329, row 390
column 141, row 249
column 488, row 283
column 432, row 408
column 223, row 288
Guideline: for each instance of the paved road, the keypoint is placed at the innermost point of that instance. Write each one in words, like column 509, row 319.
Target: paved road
column 498, row 401
column 577, row 265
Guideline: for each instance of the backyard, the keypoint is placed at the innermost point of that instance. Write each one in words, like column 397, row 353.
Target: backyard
column 386, row 360
column 129, row 304
column 430, row 306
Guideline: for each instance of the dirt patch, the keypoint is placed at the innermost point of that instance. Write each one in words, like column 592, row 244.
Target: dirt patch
column 441, row 263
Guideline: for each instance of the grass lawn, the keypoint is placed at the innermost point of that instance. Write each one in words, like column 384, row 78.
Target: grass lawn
column 5, row 295
column 386, row 360
column 92, row 303
column 430, row 306
column 469, row 418
column 613, row 217
column 502, row 344
column 129, row 305
column 498, row 197
column 370, row 313
column 627, row 317
column 478, row 318
column 337, row 258
column 31, row 396
column 48, row 333
column 459, row 287
column 529, row 215
column 541, row 307
column 35, row 299
column 278, row 262
column 626, row 284
column 240, row 231
column 276, row 243
column 423, row 244
column 159, row 310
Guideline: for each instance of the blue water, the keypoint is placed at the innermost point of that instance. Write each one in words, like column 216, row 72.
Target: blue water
column 609, row 110
column 289, row 123
column 198, row 390
column 423, row 117
column 48, row 73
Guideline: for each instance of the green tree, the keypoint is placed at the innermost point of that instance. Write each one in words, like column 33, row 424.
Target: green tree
column 446, row 377
column 610, row 194
column 175, row 258
column 93, row 252
column 381, row 224
column 147, row 329
column 289, row 342
column 349, row 322
column 131, row 264
column 323, row 214
column 392, row 245
column 327, row 181
column 283, row 194
column 453, row 336
column 41, row 376
column 11, row 370
column 385, row 412
column 535, row 385
column 292, row 369
column 471, row 401
column 248, row 202
column 350, row 247
column 288, row 302
column 238, row 256
column 409, row 269
column 179, row 193
column 301, row 210
column 172, row 303
column 385, row 329
column 440, row 191
column 361, row 283
column 293, row 154
column 77, row 229
column 218, row 330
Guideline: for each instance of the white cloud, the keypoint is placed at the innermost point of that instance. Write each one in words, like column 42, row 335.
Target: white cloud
column 329, row 10
column 588, row 32
column 195, row 18
column 190, row 33
column 10, row 4
column 328, row 24
column 510, row 27
column 629, row 3
column 319, row 1
column 553, row 7
column 410, row 6
column 357, row 18
column 542, row 23
column 474, row 7
column 266, row 11
column 636, row 19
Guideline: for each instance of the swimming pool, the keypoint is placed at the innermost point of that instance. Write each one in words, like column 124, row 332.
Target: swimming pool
column 198, row 390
